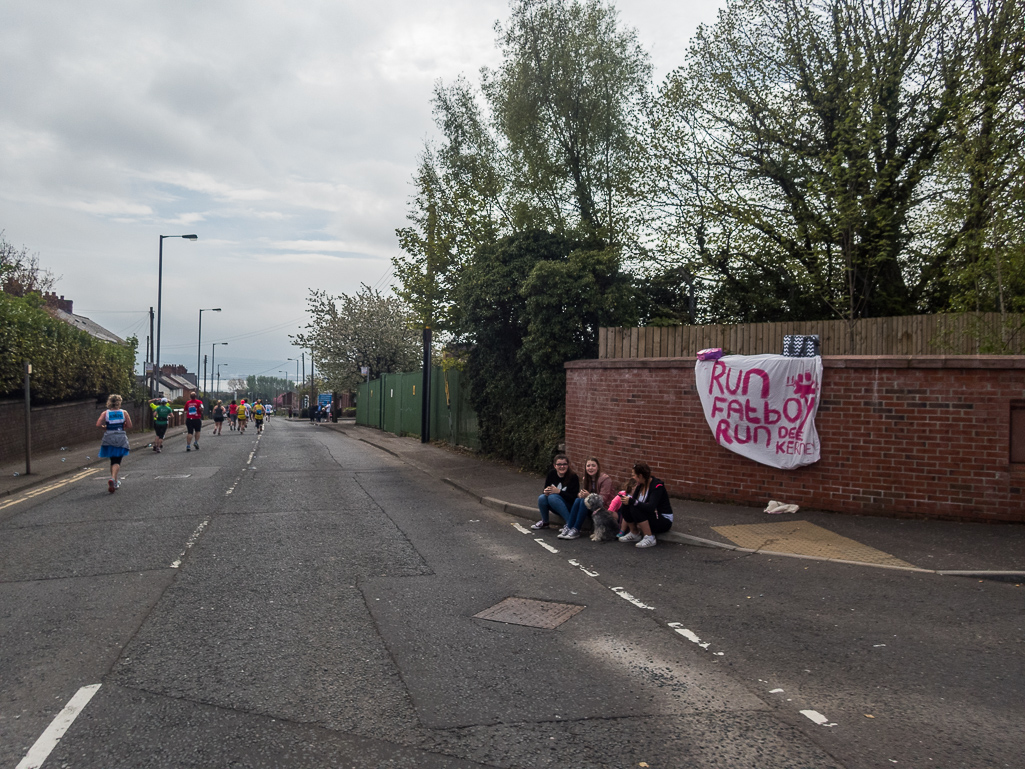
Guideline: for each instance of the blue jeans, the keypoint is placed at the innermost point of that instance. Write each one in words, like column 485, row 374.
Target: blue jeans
column 547, row 503
column 577, row 514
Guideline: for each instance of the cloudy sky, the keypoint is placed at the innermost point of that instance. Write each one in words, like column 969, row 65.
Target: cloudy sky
column 283, row 134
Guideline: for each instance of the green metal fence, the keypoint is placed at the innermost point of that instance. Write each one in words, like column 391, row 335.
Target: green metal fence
column 394, row 402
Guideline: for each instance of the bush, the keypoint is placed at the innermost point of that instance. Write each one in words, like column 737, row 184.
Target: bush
column 67, row 363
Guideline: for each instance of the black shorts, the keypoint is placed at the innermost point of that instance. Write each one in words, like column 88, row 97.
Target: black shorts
column 637, row 513
column 218, row 419
column 193, row 425
column 160, row 430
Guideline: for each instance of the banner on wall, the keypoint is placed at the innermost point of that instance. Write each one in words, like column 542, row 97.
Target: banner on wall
column 763, row 406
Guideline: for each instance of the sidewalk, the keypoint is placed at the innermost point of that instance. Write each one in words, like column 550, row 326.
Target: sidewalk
column 991, row 551
column 50, row 465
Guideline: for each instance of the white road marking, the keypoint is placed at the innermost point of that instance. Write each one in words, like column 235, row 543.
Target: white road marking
column 574, row 562
column 190, row 543
column 817, row 717
column 48, row 740
column 521, row 529
column 627, row 597
column 775, row 691
column 689, row 635
column 546, row 546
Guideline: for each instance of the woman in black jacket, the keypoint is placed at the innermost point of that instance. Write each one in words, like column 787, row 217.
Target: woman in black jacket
column 647, row 511
column 561, row 488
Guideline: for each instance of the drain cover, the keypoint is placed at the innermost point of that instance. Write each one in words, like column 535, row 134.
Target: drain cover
column 523, row 611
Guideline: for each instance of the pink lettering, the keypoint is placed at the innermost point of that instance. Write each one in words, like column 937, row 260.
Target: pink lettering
column 735, row 407
column 786, row 409
column 717, row 403
column 751, row 413
column 772, row 416
column 765, row 381
column 722, row 432
column 736, row 387
column 718, row 369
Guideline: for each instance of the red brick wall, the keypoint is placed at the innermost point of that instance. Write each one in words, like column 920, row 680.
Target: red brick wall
column 63, row 424
column 918, row 436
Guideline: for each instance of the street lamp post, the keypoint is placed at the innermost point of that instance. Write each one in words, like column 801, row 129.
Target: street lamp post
column 199, row 345
column 160, row 291
column 213, row 353
column 296, row 405
column 222, row 363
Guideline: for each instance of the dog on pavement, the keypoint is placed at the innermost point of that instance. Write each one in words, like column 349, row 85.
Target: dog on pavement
column 605, row 524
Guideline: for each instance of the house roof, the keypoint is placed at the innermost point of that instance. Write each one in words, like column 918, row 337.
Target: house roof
column 90, row 327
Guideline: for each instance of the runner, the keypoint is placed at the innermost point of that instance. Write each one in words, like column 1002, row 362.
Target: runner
column 193, row 419
column 243, row 414
column 218, row 418
column 258, row 414
column 161, row 412
column 233, row 415
column 115, row 441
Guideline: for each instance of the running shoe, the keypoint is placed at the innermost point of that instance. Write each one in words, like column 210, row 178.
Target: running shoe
column 539, row 525
column 631, row 538
column 648, row 541
column 111, row 485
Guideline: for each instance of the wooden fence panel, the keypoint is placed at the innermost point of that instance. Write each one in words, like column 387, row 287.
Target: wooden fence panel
column 964, row 334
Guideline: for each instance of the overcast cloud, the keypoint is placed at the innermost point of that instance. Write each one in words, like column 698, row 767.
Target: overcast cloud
column 283, row 134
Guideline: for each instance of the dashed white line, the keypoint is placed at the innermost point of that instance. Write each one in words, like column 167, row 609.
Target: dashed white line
column 520, row 529
column 48, row 740
column 188, row 545
column 574, row 562
column 546, row 546
column 627, row 597
column 817, row 717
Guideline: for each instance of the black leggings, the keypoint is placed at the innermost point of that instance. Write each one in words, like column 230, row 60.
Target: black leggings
column 640, row 511
column 115, row 461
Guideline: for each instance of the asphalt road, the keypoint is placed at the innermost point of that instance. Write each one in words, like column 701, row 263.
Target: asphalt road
column 308, row 600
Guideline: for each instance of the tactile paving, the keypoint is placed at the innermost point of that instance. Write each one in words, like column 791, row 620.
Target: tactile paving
column 805, row 538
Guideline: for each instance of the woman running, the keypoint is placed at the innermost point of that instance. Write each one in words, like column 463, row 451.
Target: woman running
column 115, row 441
column 218, row 418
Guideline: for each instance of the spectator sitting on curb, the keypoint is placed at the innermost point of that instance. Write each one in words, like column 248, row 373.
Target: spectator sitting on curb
column 561, row 489
column 594, row 482
column 647, row 511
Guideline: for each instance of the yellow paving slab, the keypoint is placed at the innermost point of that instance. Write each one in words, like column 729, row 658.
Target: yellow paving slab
column 804, row 538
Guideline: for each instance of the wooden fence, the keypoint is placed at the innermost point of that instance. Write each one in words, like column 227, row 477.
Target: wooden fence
column 964, row 334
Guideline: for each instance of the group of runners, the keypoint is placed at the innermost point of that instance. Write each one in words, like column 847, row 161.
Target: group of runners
column 115, row 421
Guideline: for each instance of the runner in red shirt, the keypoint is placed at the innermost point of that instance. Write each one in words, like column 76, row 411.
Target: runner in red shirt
column 232, row 414
column 193, row 420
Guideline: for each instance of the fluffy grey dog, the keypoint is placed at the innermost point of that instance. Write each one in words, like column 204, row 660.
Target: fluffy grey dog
column 605, row 525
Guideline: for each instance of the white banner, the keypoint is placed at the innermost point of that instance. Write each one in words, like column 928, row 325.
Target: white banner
column 763, row 406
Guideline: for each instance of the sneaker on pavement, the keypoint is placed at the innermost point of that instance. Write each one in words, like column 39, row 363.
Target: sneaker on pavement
column 111, row 485
column 648, row 541
column 631, row 537
column 197, row 447
column 539, row 525
column 572, row 534
column 188, row 448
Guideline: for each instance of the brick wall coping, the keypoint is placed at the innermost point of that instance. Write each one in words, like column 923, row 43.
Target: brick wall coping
column 829, row 361
column 60, row 405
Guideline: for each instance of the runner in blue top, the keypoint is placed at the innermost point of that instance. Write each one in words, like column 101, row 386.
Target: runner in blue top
column 115, row 441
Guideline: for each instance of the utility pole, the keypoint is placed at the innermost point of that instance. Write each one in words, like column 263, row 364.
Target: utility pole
column 28, row 418
column 425, row 394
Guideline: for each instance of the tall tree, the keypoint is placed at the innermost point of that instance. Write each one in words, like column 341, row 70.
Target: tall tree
column 567, row 101
column 813, row 126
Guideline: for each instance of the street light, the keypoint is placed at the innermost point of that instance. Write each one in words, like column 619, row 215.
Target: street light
column 296, row 382
column 160, row 291
column 222, row 363
column 213, row 351
column 199, row 345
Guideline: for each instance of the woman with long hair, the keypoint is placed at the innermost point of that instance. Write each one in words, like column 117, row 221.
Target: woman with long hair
column 594, row 481
column 115, row 441
column 646, row 511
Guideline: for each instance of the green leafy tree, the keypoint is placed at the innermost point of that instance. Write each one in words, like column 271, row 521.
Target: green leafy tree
column 530, row 303
column 20, row 273
column 347, row 332
column 798, row 140
column 567, row 101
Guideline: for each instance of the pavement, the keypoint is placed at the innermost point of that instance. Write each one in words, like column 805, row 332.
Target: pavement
column 947, row 548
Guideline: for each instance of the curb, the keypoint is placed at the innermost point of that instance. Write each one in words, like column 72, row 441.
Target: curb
column 524, row 511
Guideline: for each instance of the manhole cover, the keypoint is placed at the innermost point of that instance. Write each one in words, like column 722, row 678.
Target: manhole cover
column 523, row 611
